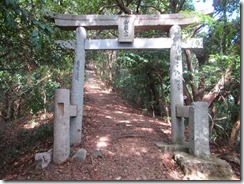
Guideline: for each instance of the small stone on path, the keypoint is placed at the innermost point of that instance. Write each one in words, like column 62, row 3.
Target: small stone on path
column 42, row 159
column 80, row 155
column 97, row 153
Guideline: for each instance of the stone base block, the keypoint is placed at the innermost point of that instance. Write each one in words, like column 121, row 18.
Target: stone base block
column 198, row 168
column 172, row 147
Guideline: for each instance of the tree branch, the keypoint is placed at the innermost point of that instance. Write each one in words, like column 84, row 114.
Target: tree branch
column 5, row 54
column 138, row 6
column 167, row 6
column 180, row 6
column 213, row 94
column 151, row 6
column 190, row 69
column 123, row 8
column 196, row 30
column 107, row 6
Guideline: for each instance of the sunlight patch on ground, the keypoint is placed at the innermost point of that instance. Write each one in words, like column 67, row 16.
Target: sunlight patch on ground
column 119, row 107
column 133, row 148
column 118, row 112
column 152, row 121
column 144, row 150
column 31, row 124
column 166, row 131
column 124, row 121
column 164, row 123
column 137, row 150
column 139, row 120
column 35, row 122
column 109, row 117
column 103, row 142
column 93, row 85
column 107, row 91
column 150, row 130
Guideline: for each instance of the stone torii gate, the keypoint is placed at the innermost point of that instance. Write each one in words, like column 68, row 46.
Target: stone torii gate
column 68, row 111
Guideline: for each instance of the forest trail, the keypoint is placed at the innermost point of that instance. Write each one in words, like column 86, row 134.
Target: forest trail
column 119, row 140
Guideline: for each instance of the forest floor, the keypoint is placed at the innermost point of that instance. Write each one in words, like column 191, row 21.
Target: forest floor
column 119, row 140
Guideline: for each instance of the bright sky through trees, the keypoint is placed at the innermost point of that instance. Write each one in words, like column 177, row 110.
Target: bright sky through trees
column 203, row 4
column 208, row 5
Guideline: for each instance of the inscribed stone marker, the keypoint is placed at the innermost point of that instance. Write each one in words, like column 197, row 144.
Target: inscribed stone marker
column 126, row 28
column 199, row 129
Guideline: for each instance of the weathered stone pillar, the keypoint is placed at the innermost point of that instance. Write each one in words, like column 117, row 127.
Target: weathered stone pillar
column 199, row 129
column 176, row 85
column 61, row 144
column 77, row 90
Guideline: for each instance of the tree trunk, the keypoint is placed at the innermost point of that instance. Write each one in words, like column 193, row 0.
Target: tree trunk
column 155, row 93
column 123, row 8
column 160, row 93
column 187, row 95
column 194, row 88
column 212, row 116
column 235, row 128
column 210, row 97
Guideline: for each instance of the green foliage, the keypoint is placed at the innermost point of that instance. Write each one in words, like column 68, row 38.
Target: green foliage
column 222, row 48
column 227, row 112
column 31, row 65
column 143, row 78
column 203, row 19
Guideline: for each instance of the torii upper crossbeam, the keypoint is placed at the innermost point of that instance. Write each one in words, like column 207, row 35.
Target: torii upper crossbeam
column 142, row 22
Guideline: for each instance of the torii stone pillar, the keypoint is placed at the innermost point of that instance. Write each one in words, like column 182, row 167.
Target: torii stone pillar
column 176, row 85
column 77, row 91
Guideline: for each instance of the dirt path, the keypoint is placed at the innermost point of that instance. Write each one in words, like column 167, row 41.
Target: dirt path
column 119, row 140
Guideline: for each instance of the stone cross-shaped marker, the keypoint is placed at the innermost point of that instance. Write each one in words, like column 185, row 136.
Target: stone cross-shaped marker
column 62, row 114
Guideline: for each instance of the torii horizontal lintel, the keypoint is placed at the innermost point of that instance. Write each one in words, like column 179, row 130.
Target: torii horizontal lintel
column 142, row 22
column 138, row 44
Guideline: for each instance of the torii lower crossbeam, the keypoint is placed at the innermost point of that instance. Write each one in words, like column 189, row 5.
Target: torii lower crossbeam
column 138, row 44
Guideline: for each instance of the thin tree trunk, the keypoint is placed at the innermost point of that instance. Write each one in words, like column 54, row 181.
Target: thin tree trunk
column 167, row 113
column 187, row 95
column 235, row 128
column 212, row 117
column 155, row 93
